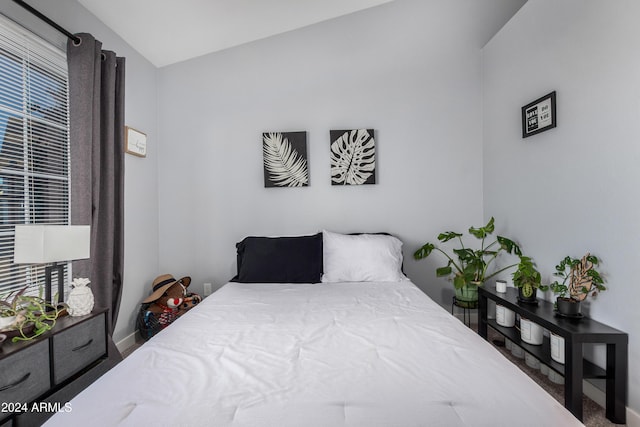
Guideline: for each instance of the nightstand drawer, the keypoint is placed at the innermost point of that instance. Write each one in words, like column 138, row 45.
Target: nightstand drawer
column 76, row 348
column 25, row 375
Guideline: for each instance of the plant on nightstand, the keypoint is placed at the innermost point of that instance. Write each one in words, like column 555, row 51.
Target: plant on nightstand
column 528, row 280
column 25, row 317
column 467, row 267
column 583, row 280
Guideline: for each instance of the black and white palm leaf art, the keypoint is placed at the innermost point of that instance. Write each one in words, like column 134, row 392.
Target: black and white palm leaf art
column 353, row 157
column 284, row 165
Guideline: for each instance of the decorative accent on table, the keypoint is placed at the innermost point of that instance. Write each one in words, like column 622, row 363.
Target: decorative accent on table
column 353, row 157
column 24, row 317
column 531, row 332
column 584, row 280
column 540, row 115
column 135, row 142
column 501, row 286
column 505, row 317
column 80, row 301
column 285, row 159
column 528, row 280
column 470, row 270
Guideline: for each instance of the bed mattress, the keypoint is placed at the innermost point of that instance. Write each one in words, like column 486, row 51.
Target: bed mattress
column 327, row 354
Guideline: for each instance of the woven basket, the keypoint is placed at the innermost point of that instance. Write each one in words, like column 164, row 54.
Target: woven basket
column 150, row 323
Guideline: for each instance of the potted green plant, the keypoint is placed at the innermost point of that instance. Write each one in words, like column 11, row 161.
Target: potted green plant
column 27, row 316
column 579, row 280
column 469, row 268
column 528, row 280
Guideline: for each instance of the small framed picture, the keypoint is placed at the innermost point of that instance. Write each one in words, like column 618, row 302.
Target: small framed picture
column 540, row 115
column 135, row 142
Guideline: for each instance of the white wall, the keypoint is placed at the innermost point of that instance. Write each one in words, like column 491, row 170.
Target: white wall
column 400, row 68
column 571, row 189
column 141, row 192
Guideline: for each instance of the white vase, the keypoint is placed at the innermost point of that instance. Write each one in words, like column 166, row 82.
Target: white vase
column 530, row 332
column 80, row 301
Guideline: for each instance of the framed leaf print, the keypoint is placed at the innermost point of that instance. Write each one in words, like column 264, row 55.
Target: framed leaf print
column 353, row 157
column 285, row 159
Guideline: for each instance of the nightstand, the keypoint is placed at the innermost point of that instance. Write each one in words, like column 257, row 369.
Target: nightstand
column 38, row 377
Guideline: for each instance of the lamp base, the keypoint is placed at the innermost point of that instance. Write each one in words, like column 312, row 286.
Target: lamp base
column 59, row 268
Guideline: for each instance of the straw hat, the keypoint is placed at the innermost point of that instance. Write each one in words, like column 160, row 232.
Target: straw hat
column 162, row 283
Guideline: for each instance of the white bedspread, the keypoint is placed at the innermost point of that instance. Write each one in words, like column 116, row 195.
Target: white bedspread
column 304, row 355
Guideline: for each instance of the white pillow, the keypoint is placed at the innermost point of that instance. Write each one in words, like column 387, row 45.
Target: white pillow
column 361, row 258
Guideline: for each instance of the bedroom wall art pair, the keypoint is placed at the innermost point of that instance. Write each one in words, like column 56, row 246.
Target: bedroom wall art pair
column 286, row 164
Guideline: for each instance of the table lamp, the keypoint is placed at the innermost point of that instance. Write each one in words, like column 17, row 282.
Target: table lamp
column 50, row 244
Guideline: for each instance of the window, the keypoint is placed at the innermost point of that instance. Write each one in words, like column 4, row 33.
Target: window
column 34, row 145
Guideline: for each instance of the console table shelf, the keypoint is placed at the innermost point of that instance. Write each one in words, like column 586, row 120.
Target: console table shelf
column 543, row 352
column 575, row 333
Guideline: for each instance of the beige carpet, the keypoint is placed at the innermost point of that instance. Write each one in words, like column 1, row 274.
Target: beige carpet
column 593, row 414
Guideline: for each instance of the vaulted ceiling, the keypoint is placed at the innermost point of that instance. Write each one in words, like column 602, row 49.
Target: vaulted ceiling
column 170, row 31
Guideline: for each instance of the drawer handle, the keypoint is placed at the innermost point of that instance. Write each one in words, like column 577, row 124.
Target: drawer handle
column 80, row 347
column 20, row 381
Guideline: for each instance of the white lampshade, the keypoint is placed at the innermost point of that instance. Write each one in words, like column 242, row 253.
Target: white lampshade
column 43, row 244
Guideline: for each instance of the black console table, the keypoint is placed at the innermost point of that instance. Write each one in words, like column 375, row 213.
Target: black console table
column 575, row 333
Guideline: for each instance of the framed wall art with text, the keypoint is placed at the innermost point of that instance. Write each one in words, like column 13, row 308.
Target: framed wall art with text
column 540, row 115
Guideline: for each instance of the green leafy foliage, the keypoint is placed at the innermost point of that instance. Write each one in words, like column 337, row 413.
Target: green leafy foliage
column 576, row 274
column 466, row 265
column 34, row 316
column 527, row 277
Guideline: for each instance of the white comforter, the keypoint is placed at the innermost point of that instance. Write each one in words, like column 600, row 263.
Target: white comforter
column 303, row 355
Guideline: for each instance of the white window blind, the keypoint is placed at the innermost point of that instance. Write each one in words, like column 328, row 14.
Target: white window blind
column 34, row 145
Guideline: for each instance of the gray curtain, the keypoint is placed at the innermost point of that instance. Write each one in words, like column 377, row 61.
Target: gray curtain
column 96, row 97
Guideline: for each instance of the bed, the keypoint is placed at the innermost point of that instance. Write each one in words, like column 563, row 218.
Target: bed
column 331, row 351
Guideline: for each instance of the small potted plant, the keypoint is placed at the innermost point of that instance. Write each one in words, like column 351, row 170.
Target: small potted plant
column 27, row 316
column 467, row 267
column 528, row 280
column 583, row 280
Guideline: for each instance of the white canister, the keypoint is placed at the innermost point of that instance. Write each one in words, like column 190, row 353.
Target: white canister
column 557, row 348
column 505, row 317
column 544, row 369
column 530, row 332
column 517, row 351
column 501, row 286
column 555, row 377
column 531, row 361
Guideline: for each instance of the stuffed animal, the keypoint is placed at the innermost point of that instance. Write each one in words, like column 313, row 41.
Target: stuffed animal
column 169, row 300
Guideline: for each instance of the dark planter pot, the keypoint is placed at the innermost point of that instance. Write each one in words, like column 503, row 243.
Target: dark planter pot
column 532, row 299
column 568, row 307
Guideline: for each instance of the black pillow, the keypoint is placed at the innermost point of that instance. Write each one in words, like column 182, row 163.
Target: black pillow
column 280, row 259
